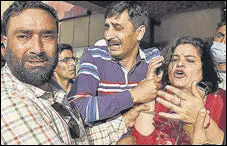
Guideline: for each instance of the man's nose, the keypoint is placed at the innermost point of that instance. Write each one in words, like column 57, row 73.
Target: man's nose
column 37, row 45
column 109, row 34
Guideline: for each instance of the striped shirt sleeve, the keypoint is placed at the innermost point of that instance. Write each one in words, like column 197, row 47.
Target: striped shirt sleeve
column 83, row 94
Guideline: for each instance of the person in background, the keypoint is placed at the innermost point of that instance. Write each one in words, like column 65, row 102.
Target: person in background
column 218, row 50
column 191, row 81
column 65, row 70
column 111, row 79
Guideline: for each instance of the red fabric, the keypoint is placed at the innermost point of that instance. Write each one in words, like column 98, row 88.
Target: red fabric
column 166, row 130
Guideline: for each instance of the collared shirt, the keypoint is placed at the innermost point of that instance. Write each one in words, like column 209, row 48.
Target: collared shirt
column 101, row 90
column 27, row 116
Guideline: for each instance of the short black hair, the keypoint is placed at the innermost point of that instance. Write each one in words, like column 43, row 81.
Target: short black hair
column 210, row 73
column 64, row 46
column 19, row 6
column 136, row 11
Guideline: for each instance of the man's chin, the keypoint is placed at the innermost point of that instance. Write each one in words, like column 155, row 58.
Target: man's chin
column 35, row 69
column 116, row 56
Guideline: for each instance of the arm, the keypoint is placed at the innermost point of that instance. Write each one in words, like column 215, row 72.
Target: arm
column 144, row 123
column 83, row 94
column 211, row 135
column 216, row 118
column 95, row 108
column 214, row 134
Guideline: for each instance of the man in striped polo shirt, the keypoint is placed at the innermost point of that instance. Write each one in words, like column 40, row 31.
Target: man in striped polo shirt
column 109, row 80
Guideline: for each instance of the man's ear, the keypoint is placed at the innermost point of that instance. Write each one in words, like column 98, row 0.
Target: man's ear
column 4, row 40
column 140, row 32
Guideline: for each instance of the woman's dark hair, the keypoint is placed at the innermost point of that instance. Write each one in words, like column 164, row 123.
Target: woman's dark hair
column 222, row 23
column 210, row 73
column 136, row 11
column 18, row 6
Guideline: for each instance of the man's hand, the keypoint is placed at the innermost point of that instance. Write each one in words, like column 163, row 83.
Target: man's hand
column 154, row 64
column 146, row 90
column 129, row 140
column 131, row 115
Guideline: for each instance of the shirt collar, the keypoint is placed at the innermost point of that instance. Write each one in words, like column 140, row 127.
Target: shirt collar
column 24, row 86
column 140, row 56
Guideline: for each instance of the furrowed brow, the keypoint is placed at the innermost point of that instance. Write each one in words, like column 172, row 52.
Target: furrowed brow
column 24, row 31
column 49, row 32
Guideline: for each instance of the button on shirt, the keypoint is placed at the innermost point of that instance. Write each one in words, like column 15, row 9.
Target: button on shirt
column 27, row 116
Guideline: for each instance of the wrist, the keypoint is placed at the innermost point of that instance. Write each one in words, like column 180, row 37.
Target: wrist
column 132, row 95
column 207, row 121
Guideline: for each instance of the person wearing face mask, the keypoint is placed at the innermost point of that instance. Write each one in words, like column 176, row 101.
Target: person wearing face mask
column 218, row 50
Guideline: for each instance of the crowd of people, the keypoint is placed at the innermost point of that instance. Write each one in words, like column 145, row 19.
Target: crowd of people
column 122, row 94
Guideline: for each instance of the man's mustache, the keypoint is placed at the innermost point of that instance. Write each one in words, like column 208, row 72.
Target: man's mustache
column 112, row 41
column 42, row 57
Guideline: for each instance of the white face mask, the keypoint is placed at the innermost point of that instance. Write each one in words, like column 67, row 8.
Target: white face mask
column 218, row 50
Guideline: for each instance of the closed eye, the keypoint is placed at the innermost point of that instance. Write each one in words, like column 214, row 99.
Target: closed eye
column 191, row 61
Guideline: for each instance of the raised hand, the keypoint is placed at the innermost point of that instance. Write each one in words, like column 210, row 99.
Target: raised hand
column 185, row 105
column 147, row 89
column 152, row 68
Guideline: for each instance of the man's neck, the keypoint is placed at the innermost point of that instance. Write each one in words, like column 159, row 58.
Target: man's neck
column 130, row 61
column 64, row 83
column 221, row 67
column 45, row 87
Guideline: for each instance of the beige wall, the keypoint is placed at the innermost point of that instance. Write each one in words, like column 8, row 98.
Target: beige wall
column 198, row 23
column 75, row 31
column 5, row 5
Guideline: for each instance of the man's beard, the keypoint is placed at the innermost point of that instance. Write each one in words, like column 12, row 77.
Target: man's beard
column 35, row 76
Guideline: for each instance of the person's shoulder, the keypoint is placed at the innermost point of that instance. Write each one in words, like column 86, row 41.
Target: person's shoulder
column 11, row 97
column 218, row 93
column 8, row 83
column 98, row 52
column 222, row 92
column 97, row 49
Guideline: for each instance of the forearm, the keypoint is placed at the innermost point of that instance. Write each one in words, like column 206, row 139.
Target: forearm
column 214, row 134
column 144, row 123
column 94, row 108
